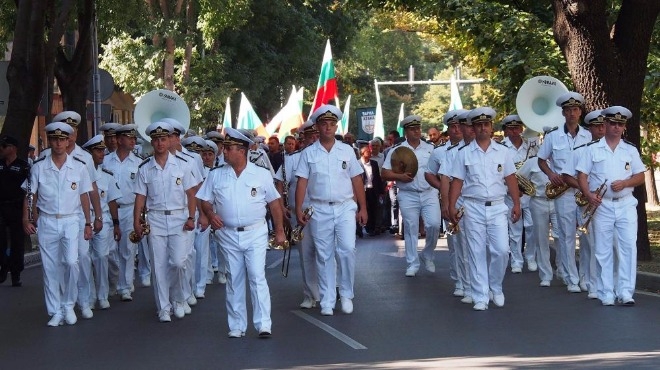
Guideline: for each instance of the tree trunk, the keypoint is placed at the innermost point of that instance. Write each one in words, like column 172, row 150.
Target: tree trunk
column 608, row 66
column 26, row 72
column 73, row 75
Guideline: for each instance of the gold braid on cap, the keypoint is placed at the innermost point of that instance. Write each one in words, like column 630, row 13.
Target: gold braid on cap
column 597, row 120
column 617, row 117
column 70, row 121
column 158, row 132
column 572, row 102
column 234, row 141
column 327, row 114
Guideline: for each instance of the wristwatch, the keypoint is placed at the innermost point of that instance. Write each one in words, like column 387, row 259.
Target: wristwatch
column 99, row 218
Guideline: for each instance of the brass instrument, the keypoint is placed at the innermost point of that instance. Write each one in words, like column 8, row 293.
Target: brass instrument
column 146, row 228
column 553, row 191
column 580, row 199
column 589, row 212
column 453, row 228
column 272, row 243
column 285, row 184
column 30, row 201
column 525, row 185
column 295, row 236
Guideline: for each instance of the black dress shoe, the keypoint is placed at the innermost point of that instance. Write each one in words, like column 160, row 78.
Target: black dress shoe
column 3, row 275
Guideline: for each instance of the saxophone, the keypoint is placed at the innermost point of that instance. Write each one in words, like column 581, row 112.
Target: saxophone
column 285, row 190
column 525, row 185
column 553, row 191
column 453, row 228
column 580, row 199
column 30, row 200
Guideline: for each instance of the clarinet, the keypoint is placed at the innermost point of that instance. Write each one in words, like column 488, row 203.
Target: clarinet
column 30, row 200
column 285, row 191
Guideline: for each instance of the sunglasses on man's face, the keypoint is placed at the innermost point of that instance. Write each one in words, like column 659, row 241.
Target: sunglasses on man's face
column 620, row 124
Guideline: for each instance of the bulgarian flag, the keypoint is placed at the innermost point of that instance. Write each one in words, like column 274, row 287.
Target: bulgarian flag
column 326, row 90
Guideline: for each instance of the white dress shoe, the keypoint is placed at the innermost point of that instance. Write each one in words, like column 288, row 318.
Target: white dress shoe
column 327, row 311
column 104, row 304
column 192, row 300
column 126, row 297
column 86, row 313
column 411, row 271
column 573, row 288
column 458, row 292
column 146, row 282
column 56, row 320
column 222, row 278
column 346, row 305
column 179, row 313
column 164, row 316
column 498, row 299
column 516, row 270
column 532, row 266
column 236, row 334
column 480, row 306
column 186, row 308
column 467, row 300
column 308, row 303
column 428, row 263
column 545, row 283
column 70, row 316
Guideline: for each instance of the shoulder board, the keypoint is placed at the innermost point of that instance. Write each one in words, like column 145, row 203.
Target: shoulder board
column 216, row 167
column 296, row 152
column 552, row 129
column 108, row 172
column 188, row 154
column 394, row 146
column 591, row 142
column 452, row 146
column 462, row 146
column 503, row 144
column 144, row 162
column 439, row 146
column 580, row 146
column 629, row 143
column 183, row 159
column 38, row 160
column 79, row 160
column 260, row 154
column 531, row 156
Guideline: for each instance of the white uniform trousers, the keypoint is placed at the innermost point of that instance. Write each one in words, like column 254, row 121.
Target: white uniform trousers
column 126, row 250
column 246, row 260
column 144, row 261
column 113, row 261
column 541, row 209
column 307, row 254
column 218, row 259
column 101, row 244
column 189, row 269
column 486, row 229
column 333, row 230
column 588, row 264
column 616, row 221
column 169, row 254
column 85, row 277
column 458, row 259
column 202, row 241
column 516, row 233
column 58, row 243
column 412, row 204
column 567, row 212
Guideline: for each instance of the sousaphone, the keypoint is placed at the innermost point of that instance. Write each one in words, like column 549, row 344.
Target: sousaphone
column 156, row 105
column 404, row 161
column 536, row 103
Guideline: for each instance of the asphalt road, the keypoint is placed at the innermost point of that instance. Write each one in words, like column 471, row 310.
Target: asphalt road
column 398, row 323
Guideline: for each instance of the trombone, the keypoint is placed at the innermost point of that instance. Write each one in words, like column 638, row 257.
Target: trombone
column 453, row 228
column 589, row 212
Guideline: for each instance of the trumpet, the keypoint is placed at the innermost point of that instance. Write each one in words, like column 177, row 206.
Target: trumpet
column 580, row 199
column 297, row 233
column 453, row 228
column 589, row 212
column 525, row 185
column 553, row 191
column 146, row 228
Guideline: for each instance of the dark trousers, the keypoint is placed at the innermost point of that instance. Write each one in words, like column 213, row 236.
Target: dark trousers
column 11, row 225
column 373, row 209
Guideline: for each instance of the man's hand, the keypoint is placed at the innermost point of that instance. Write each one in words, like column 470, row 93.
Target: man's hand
column 362, row 216
column 202, row 221
column 515, row 213
column 556, row 179
column 116, row 232
column 216, row 222
column 29, row 227
column 617, row 185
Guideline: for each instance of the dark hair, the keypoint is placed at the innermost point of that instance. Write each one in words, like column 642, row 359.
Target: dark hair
column 394, row 133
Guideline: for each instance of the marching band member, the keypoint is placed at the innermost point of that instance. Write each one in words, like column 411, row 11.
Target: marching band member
column 541, row 209
column 439, row 159
column 595, row 122
column 234, row 198
column 123, row 163
column 60, row 183
column 306, row 247
column 103, row 241
column 482, row 172
column 217, row 138
column 522, row 149
column 109, row 130
column 329, row 173
column 166, row 187
column 416, row 198
column 85, row 278
column 558, row 145
column 614, row 163
column 217, row 260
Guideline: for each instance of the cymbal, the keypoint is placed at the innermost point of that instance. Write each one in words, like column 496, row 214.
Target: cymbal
column 404, row 161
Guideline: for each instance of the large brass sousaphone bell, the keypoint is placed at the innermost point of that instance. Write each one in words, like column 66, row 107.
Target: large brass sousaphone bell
column 536, row 102
column 404, row 161
column 156, row 105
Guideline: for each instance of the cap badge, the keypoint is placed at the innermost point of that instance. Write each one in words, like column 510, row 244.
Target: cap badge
column 74, row 186
column 58, row 132
column 618, row 116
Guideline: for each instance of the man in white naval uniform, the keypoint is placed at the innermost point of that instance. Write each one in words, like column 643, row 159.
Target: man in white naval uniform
column 109, row 130
column 595, row 122
column 558, row 145
column 617, row 164
column 85, row 279
column 166, row 187
column 102, row 241
column 59, row 183
column 331, row 176
column 307, row 251
column 123, row 163
column 234, row 198
column 483, row 172
column 416, row 198
column 522, row 149
column 217, row 260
